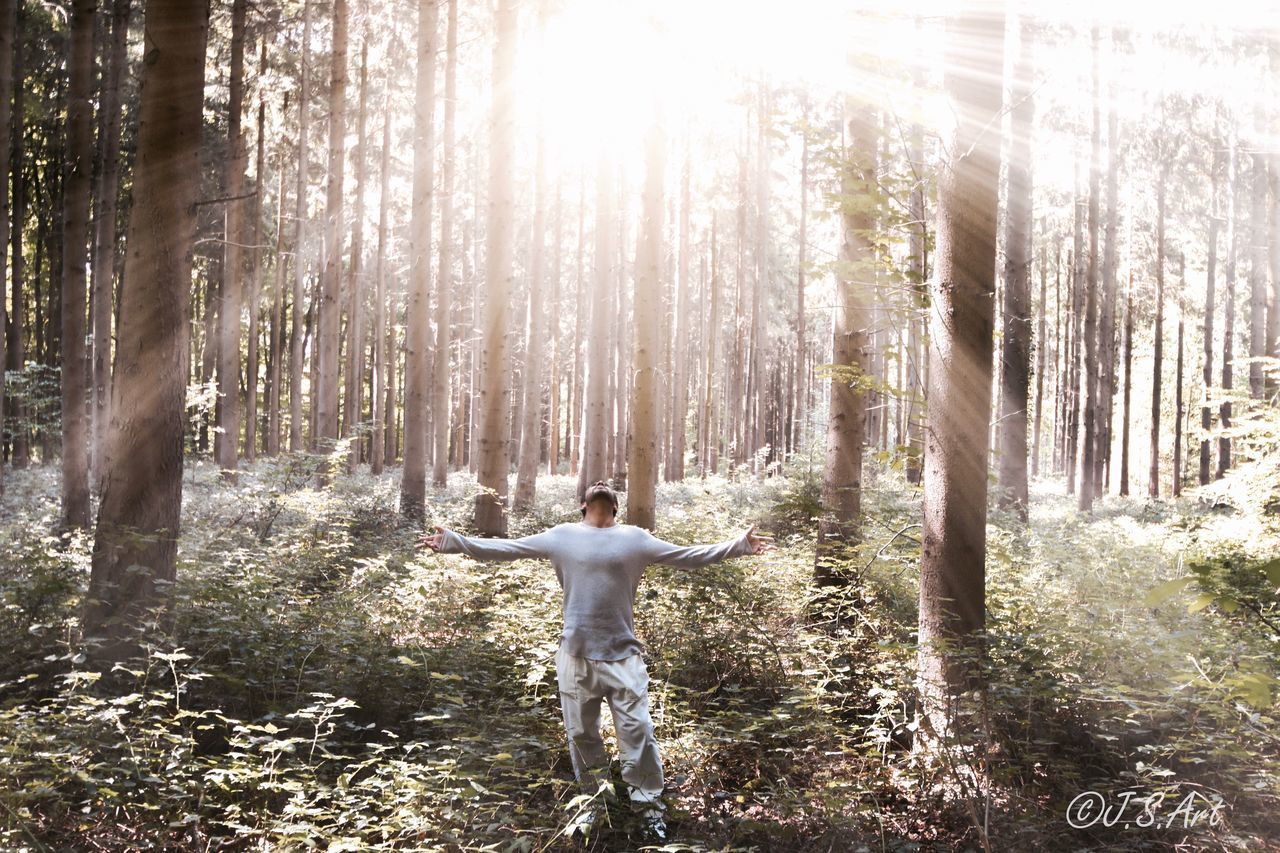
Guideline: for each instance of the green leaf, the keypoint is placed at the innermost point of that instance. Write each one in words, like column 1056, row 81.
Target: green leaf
column 1272, row 570
column 1200, row 602
column 1228, row 604
column 1162, row 593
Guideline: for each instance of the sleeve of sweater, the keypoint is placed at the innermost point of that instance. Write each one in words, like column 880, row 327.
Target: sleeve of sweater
column 537, row 546
column 695, row 556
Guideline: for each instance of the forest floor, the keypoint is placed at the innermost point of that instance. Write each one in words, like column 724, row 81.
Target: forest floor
column 325, row 684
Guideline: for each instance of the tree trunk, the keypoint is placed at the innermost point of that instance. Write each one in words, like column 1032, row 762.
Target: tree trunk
column 1153, row 471
column 1015, row 344
column 710, row 440
column 680, row 334
column 1228, row 308
column 352, row 403
column 1258, row 277
column 1091, row 405
column 276, row 348
column 917, row 274
column 255, row 278
column 300, row 242
column 553, row 419
column 801, row 354
column 8, row 51
column 1128, row 386
column 444, row 281
column 135, row 544
column 75, row 223
column 840, row 523
column 594, row 464
column 531, row 408
column 1206, row 412
column 1041, row 355
column 229, row 306
column 953, row 556
column 493, row 427
column 382, row 357
column 1078, row 272
column 413, row 487
column 1107, row 316
column 330, row 307
column 646, row 395
column 104, row 261
column 1177, row 393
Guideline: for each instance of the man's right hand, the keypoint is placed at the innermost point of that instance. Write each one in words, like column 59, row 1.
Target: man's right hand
column 434, row 541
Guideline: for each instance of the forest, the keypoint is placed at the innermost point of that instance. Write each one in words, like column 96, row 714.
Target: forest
column 923, row 356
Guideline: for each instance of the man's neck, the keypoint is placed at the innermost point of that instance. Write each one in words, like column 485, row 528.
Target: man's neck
column 599, row 521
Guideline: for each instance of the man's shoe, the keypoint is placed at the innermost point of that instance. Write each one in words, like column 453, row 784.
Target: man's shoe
column 655, row 827
column 586, row 821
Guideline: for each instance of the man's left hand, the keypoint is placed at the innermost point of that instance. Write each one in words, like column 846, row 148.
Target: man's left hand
column 760, row 542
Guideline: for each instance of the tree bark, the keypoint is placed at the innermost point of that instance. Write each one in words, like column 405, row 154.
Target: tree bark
column 1153, row 470
column 330, row 307
column 225, row 440
column 8, row 52
column 1177, row 393
column 413, row 486
column 255, row 277
column 1258, row 263
column 444, row 281
column 1206, row 412
column 353, row 404
column 1107, row 315
column 493, row 427
column 382, row 355
column 75, row 223
column 840, row 522
column 1015, row 344
column 1128, row 387
column 276, row 349
column 1228, row 308
column 1091, row 405
column 953, row 556
column 135, row 544
column 594, row 465
column 104, row 260
column 300, row 242
column 646, row 395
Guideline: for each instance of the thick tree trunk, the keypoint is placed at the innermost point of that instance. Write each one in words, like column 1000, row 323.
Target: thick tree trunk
column 330, row 305
column 444, row 281
column 1206, row 412
column 840, row 523
column 104, row 260
column 1228, row 309
column 135, row 544
column 276, row 348
column 1015, row 344
column 225, row 440
column 301, row 247
column 1126, row 419
column 417, row 379
column 75, row 223
column 1258, row 263
column 352, row 403
column 1091, row 404
column 255, row 278
column 1153, row 469
column 382, row 357
column 953, row 557
column 646, row 394
column 1107, row 316
column 680, row 332
column 1178, row 377
column 594, row 465
column 530, row 436
column 8, row 50
column 709, row 441
column 493, row 428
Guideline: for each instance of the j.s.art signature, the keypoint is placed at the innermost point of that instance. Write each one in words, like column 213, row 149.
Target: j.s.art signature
column 1131, row 808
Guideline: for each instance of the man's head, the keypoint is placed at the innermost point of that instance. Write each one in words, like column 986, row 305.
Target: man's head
column 600, row 491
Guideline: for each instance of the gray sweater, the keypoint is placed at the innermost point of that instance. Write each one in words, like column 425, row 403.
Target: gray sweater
column 599, row 570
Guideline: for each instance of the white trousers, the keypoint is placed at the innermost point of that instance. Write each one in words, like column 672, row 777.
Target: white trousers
column 583, row 683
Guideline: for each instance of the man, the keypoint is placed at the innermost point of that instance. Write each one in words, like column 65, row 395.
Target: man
column 599, row 563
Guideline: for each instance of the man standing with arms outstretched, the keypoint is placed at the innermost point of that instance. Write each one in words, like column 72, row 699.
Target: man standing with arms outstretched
column 599, row 563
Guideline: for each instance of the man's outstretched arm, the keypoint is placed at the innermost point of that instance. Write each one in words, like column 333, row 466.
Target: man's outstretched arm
column 696, row 556
column 445, row 541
